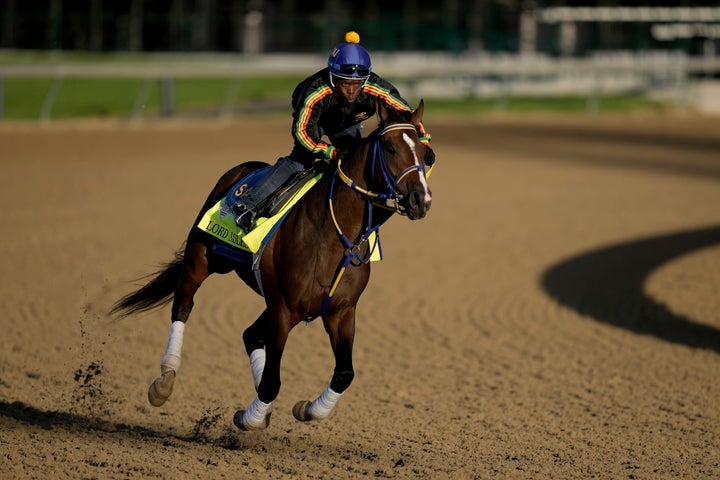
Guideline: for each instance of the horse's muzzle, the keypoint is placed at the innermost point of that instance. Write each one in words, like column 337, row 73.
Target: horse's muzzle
column 417, row 203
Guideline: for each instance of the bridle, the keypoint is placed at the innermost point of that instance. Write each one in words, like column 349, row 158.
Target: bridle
column 390, row 199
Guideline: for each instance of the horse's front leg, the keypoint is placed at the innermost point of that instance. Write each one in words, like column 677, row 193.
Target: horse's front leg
column 254, row 340
column 341, row 329
column 267, row 377
column 195, row 271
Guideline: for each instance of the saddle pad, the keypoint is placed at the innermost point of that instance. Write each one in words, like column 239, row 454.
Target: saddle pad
column 220, row 223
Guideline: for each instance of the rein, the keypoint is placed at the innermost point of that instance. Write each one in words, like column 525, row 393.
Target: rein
column 389, row 200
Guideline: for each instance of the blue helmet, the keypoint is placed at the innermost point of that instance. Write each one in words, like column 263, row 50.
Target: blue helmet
column 349, row 59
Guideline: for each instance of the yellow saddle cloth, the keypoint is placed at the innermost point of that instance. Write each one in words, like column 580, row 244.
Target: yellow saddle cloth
column 220, row 223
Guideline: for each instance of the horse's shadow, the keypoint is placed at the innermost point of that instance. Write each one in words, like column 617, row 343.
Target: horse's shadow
column 607, row 284
column 49, row 420
column 228, row 438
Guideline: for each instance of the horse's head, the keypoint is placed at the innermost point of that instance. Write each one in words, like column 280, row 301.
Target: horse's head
column 397, row 169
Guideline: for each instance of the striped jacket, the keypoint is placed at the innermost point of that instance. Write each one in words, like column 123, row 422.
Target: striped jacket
column 316, row 111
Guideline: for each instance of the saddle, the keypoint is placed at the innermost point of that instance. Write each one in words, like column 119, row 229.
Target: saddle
column 270, row 205
column 235, row 243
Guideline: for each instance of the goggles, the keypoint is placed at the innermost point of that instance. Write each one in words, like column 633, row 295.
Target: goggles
column 351, row 70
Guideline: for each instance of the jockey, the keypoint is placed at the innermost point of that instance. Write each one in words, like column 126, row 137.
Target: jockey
column 333, row 103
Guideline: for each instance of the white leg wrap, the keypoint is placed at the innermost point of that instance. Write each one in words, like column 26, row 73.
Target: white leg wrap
column 254, row 416
column 257, row 365
column 322, row 406
column 171, row 359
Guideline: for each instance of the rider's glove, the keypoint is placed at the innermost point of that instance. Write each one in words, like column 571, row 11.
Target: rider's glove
column 332, row 153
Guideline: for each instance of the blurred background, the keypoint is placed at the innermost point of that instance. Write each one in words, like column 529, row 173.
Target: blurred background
column 470, row 55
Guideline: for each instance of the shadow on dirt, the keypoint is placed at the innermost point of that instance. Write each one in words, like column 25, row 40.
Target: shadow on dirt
column 50, row 420
column 607, row 284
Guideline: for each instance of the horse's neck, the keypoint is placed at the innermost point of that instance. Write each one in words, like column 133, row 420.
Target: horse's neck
column 348, row 206
column 351, row 206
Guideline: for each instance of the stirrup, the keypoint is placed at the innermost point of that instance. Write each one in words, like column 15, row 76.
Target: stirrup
column 245, row 219
column 237, row 209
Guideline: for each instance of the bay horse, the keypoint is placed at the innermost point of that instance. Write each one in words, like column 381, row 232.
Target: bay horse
column 315, row 265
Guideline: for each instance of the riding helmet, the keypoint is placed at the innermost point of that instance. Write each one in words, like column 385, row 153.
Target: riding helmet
column 349, row 59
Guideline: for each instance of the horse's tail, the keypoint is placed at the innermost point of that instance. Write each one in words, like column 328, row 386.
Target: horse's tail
column 156, row 293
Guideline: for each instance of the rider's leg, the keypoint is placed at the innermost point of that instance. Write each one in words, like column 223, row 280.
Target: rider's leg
column 276, row 177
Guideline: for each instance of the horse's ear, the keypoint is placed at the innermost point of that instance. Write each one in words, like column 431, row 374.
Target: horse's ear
column 417, row 114
column 381, row 112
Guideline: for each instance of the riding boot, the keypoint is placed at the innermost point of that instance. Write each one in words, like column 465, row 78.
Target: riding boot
column 254, row 202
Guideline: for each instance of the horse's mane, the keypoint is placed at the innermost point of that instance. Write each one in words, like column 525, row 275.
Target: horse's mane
column 391, row 117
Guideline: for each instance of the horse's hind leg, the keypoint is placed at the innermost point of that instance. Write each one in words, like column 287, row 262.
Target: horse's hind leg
column 195, row 270
column 341, row 330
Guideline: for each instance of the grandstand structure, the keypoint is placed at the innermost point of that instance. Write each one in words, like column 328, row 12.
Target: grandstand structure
column 282, row 26
column 670, row 27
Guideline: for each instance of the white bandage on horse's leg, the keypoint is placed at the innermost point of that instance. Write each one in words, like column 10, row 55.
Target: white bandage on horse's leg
column 257, row 365
column 254, row 416
column 172, row 358
column 322, row 406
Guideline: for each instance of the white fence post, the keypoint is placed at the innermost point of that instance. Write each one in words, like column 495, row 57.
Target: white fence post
column 167, row 97
column 50, row 98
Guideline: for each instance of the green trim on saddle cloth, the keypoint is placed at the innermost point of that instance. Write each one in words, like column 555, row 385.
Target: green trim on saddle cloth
column 221, row 225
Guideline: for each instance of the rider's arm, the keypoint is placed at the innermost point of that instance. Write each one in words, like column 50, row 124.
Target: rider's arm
column 308, row 107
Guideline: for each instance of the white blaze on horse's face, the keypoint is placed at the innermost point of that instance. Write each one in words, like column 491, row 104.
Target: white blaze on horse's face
column 423, row 180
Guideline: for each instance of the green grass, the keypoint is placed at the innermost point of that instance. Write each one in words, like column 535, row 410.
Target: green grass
column 97, row 97
column 125, row 97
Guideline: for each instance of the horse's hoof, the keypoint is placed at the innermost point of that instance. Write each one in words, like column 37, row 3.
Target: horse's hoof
column 301, row 411
column 161, row 388
column 237, row 420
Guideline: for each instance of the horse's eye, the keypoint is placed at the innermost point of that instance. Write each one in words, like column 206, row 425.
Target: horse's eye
column 390, row 149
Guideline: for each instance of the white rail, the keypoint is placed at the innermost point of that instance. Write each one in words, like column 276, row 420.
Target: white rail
column 419, row 74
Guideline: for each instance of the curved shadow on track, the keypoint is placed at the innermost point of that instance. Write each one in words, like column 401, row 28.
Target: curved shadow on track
column 607, row 284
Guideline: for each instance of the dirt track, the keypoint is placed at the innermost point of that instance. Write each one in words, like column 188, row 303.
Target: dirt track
column 555, row 316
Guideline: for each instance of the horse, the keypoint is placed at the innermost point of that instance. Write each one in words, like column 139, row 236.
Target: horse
column 316, row 264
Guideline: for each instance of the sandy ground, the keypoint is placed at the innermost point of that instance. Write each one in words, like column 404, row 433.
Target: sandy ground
column 555, row 316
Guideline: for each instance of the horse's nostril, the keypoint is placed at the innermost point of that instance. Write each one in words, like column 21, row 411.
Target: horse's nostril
column 416, row 200
column 418, row 203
